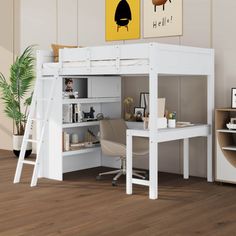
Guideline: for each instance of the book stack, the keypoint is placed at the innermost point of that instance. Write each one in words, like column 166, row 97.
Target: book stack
column 72, row 113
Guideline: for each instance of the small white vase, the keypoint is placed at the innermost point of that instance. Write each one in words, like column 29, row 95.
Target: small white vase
column 17, row 142
column 171, row 123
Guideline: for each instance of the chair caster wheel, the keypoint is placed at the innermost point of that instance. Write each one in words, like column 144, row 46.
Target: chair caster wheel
column 114, row 183
column 98, row 177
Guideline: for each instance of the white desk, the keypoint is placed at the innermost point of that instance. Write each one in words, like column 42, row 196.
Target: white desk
column 164, row 135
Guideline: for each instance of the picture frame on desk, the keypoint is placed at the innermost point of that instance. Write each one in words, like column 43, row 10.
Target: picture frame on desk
column 233, row 98
column 144, row 101
column 139, row 113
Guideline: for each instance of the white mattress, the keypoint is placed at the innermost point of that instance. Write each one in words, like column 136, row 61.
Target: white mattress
column 127, row 62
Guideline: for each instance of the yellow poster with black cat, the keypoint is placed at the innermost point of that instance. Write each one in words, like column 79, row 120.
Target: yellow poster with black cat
column 122, row 19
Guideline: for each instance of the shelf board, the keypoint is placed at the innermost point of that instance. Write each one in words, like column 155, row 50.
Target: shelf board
column 91, row 100
column 81, row 151
column 229, row 148
column 226, row 130
column 81, row 124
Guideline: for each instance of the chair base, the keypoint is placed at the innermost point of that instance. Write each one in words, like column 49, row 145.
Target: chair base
column 120, row 172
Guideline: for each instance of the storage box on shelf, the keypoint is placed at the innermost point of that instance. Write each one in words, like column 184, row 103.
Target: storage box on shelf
column 225, row 146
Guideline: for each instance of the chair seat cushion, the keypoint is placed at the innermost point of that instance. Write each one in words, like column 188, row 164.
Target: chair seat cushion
column 140, row 147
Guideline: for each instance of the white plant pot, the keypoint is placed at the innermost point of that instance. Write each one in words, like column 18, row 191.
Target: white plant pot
column 17, row 142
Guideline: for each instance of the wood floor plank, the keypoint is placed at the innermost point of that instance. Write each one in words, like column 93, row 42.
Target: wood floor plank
column 82, row 206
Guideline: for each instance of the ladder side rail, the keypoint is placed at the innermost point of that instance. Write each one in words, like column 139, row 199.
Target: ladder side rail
column 40, row 142
column 26, row 136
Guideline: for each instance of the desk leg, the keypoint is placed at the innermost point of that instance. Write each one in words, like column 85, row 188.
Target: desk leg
column 209, row 159
column 186, row 157
column 153, row 169
column 129, row 164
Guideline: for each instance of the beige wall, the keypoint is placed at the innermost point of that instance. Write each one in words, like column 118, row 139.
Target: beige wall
column 6, row 58
column 207, row 23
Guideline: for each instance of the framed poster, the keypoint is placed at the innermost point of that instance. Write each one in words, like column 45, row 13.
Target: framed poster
column 163, row 18
column 233, row 98
column 122, row 19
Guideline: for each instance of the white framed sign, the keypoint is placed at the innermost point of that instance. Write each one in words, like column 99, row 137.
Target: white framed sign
column 233, row 98
column 163, row 18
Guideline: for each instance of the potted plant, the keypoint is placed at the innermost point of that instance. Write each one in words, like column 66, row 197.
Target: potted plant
column 15, row 95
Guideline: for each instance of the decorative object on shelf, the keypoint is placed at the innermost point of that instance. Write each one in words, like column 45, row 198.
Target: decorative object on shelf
column 14, row 94
column 122, row 19
column 90, row 114
column 163, row 21
column 69, row 85
column 128, row 105
column 233, row 98
column 74, row 138
column 70, row 95
column 172, row 120
column 100, row 116
column 231, row 124
column 91, row 139
column 139, row 113
column 144, row 102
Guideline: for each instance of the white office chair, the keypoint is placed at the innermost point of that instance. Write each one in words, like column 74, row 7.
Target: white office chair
column 113, row 143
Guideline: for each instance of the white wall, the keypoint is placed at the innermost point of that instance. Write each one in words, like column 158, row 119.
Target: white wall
column 207, row 23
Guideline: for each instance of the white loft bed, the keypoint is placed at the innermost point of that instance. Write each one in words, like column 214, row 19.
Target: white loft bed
column 152, row 59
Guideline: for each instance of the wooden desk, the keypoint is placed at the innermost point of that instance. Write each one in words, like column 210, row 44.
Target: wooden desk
column 164, row 135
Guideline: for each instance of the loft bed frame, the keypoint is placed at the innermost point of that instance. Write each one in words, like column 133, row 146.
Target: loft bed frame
column 151, row 59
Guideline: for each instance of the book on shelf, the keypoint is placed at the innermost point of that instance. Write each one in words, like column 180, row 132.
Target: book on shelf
column 66, row 141
column 71, row 113
column 184, row 123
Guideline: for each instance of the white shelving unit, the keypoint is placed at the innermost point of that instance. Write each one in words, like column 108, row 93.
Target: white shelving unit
column 58, row 161
column 225, row 146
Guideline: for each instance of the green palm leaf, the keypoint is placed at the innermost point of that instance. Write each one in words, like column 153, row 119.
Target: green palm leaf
column 13, row 92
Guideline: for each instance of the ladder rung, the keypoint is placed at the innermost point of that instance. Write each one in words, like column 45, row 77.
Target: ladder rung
column 31, row 140
column 29, row 162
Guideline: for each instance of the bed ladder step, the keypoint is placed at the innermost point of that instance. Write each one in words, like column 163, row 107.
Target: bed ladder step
column 29, row 162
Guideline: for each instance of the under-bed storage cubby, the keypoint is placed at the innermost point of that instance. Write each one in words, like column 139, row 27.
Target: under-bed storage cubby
column 82, row 87
column 225, row 145
column 75, row 87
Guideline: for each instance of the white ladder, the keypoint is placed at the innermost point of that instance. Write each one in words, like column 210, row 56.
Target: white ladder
column 28, row 128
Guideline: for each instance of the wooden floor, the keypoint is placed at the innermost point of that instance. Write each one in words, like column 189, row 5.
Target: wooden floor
column 82, row 206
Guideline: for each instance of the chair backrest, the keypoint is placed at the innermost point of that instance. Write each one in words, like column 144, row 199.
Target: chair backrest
column 113, row 130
